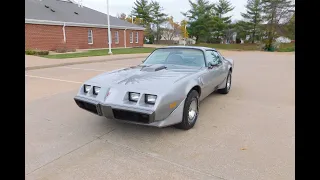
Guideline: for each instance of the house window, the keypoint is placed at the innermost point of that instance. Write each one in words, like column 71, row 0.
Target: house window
column 90, row 37
column 137, row 37
column 116, row 38
column 131, row 37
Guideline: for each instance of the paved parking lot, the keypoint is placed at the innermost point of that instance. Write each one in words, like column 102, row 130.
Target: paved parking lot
column 247, row 134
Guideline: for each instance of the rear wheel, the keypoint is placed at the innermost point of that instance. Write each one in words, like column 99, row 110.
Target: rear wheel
column 228, row 85
column 190, row 111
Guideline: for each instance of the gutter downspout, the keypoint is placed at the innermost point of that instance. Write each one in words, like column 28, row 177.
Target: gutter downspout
column 125, row 38
column 64, row 33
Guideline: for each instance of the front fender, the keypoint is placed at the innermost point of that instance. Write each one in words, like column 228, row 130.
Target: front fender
column 230, row 63
column 191, row 84
column 174, row 97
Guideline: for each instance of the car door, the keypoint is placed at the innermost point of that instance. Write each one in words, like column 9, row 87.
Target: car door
column 224, row 68
column 221, row 66
column 211, row 77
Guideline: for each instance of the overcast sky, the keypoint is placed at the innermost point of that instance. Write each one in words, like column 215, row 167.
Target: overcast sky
column 171, row 7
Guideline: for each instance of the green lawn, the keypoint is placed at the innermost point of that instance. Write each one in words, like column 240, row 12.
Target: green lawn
column 287, row 47
column 290, row 47
column 100, row 52
column 243, row 47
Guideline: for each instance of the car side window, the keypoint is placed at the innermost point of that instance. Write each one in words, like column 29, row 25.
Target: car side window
column 220, row 56
column 217, row 57
column 213, row 57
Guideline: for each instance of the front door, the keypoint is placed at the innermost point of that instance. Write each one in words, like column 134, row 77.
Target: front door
column 220, row 67
column 224, row 67
column 211, row 78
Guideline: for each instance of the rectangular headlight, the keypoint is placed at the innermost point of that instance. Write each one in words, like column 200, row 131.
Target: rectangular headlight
column 86, row 88
column 134, row 96
column 150, row 99
column 96, row 90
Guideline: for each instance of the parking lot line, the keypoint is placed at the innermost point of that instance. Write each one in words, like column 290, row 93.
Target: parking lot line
column 53, row 79
column 83, row 69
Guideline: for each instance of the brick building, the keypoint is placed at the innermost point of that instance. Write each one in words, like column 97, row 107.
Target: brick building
column 52, row 24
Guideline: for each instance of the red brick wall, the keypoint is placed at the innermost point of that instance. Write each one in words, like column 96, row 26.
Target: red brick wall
column 50, row 37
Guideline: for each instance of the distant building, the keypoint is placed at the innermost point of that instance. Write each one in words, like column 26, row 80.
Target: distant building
column 283, row 39
column 51, row 24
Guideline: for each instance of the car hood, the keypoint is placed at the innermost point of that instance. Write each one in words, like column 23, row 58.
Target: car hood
column 145, row 77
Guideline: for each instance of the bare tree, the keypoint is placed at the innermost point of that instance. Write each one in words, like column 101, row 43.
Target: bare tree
column 275, row 13
column 229, row 34
column 171, row 29
column 122, row 16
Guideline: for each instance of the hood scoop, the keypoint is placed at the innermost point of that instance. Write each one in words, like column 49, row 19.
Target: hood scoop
column 153, row 68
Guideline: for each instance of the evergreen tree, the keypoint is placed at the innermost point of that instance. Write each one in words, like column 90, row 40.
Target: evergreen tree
column 200, row 19
column 158, row 18
column 274, row 12
column 221, row 21
column 253, row 16
column 141, row 10
column 290, row 27
column 222, row 8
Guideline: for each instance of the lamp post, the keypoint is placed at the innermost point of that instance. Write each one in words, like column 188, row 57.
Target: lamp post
column 109, row 32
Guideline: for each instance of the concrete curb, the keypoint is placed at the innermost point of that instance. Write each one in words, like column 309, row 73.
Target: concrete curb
column 81, row 62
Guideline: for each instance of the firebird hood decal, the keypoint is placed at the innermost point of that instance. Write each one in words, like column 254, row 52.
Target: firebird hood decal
column 134, row 76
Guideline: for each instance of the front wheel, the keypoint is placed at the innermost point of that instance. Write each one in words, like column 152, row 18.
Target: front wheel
column 190, row 111
column 228, row 85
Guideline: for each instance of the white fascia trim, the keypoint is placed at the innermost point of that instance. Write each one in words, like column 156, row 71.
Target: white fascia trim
column 47, row 22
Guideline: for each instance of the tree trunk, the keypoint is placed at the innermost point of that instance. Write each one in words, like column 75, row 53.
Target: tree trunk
column 158, row 40
column 254, row 33
column 197, row 39
column 270, row 34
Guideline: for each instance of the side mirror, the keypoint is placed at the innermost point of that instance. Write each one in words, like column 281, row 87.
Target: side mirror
column 211, row 65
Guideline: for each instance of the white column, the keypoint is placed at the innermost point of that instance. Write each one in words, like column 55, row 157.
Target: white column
column 125, row 38
column 109, row 32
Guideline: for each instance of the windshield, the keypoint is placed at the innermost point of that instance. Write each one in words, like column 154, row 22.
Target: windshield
column 177, row 56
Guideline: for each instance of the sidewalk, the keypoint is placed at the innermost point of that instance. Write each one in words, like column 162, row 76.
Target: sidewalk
column 35, row 62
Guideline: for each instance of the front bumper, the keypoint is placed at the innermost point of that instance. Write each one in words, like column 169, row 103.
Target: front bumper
column 130, row 115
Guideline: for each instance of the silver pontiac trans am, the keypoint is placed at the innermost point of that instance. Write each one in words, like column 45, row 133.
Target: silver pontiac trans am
column 164, row 90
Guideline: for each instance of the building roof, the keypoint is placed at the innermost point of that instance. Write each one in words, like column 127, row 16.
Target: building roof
column 59, row 12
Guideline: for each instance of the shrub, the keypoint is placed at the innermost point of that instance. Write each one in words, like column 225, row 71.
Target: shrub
column 36, row 52
column 42, row 53
column 238, row 40
column 213, row 40
column 151, row 39
column 64, row 50
column 274, row 46
column 61, row 50
column 30, row 52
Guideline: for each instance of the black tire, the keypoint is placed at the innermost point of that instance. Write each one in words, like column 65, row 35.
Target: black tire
column 226, row 89
column 186, row 124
